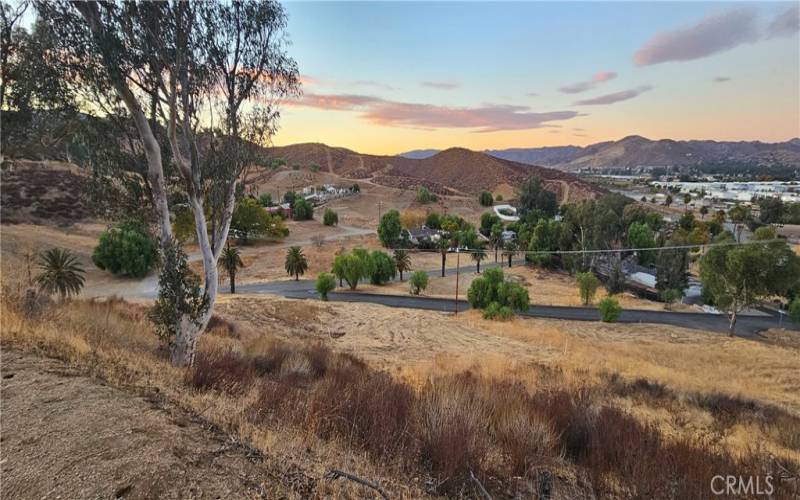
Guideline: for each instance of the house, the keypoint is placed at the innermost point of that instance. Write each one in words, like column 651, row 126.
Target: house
column 283, row 208
column 423, row 233
column 508, row 235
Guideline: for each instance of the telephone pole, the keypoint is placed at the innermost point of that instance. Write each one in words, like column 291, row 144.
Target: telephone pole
column 458, row 270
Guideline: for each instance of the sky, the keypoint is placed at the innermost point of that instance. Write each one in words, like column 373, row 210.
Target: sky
column 384, row 77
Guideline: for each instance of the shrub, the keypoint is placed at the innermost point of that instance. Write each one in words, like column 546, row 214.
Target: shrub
column 126, row 250
column 609, row 310
column 500, row 298
column 587, row 286
column 794, row 310
column 670, row 296
column 353, row 267
column 389, row 228
column 383, row 268
column 499, row 197
column 424, row 196
column 326, row 282
column 434, row 220
column 250, row 220
column 302, row 210
column 495, row 311
column 330, row 217
column 265, row 200
column 183, row 226
column 486, row 199
column 418, row 282
column 222, row 371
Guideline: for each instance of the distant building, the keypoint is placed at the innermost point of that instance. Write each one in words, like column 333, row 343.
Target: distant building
column 423, row 233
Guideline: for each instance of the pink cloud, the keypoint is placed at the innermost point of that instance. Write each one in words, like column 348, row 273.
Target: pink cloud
column 713, row 34
column 441, row 85
column 485, row 118
column 615, row 97
column 598, row 78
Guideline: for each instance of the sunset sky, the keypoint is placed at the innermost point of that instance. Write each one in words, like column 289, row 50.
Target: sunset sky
column 389, row 77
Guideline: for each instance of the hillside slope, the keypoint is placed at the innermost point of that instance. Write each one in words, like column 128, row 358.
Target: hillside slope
column 637, row 151
column 453, row 171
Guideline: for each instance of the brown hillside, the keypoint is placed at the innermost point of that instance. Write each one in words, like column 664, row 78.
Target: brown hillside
column 453, row 171
column 43, row 193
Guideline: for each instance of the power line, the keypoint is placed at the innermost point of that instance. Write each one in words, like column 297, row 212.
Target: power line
column 595, row 251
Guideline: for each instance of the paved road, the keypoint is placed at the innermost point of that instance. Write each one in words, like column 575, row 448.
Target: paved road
column 746, row 326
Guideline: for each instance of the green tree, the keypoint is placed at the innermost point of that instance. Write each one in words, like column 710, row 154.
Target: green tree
column 265, row 200
column 424, row 196
column 737, row 277
column 161, row 77
column 740, row 216
column 302, row 210
column 296, row 263
column 61, row 273
column 670, row 296
column 290, row 197
column 544, row 239
column 389, row 229
column 478, row 254
column 492, row 293
column 402, row 261
column 509, row 249
column 330, row 218
column 587, row 286
column 687, row 198
column 771, row 210
column 251, row 220
column 610, row 310
column 231, row 261
column 126, row 249
column 534, row 196
column 668, row 200
column 433, row 220
column 353, row 266
column 496, row 238
column 703, row 212
column 326, row 282
column 794, row 310
column 642, row 237
column 672, row 267
column 443, row 245
column 488, row 219
column 383, row 268
column 183, row 225
column 418, row 282
column 486, row 199
column 616, row 279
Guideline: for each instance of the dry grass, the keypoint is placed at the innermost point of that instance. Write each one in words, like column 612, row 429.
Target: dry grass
column 531, row 416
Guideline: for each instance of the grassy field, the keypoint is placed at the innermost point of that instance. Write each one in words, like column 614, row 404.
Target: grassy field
column 383, row 392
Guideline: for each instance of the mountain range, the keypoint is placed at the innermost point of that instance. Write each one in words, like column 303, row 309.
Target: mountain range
column 636, row 151
column 454, row 171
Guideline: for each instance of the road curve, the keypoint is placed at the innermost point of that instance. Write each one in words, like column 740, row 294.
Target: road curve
column 746, row 326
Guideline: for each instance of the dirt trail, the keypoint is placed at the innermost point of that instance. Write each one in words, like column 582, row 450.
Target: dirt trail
column 68, row 436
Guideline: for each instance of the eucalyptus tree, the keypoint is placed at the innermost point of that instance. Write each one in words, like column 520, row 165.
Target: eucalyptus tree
column 175, row 67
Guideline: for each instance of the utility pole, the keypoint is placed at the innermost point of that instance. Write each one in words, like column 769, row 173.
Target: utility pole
column 458, row 270
column 379, row 210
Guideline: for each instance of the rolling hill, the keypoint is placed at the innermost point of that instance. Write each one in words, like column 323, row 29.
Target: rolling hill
column 455, row 171
column 636, row 151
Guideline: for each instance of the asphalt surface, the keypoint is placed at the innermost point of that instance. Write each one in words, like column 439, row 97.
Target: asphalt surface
column 746, row 325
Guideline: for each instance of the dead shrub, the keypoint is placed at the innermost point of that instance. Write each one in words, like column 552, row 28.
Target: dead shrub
column 451, row 428
column 224, row 371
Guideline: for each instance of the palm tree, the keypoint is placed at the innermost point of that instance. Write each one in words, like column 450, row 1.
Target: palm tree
column 508, row 250
column 231, row 261
column 444, row 246
column 402, row 261
column 478, row 254
column 496, row 236
column 296, row 262
column 61, row 273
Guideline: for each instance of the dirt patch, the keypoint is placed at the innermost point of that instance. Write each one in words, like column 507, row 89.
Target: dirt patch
column 69, row 436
